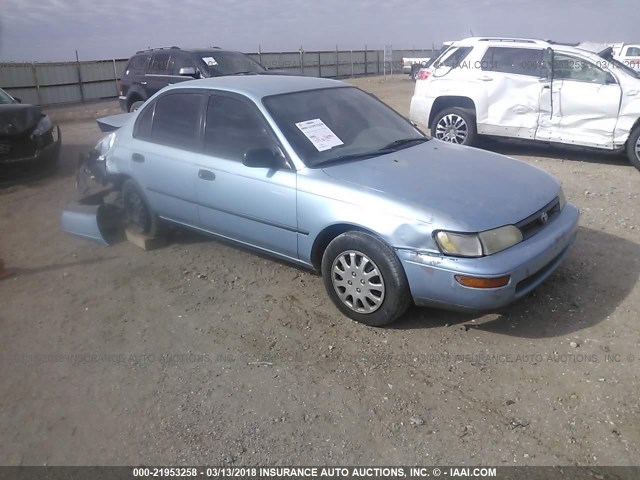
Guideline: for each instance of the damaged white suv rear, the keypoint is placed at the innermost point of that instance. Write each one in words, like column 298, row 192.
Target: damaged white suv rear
column 530, row 89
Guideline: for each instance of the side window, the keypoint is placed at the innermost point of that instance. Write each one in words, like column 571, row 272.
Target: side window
column 180, row 60
column 233, row 127
column 517, row 61
column 176, row 120
column 138, row 65
column 566, row 67
column 455, row 57
column 633, row 52
column 160, row 64
column 142, row 128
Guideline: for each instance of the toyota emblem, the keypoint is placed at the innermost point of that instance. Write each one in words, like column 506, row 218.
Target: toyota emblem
column 544, row 217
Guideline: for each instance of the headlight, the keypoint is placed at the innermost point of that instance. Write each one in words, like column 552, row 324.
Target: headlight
column 105, row 145
column 478, row 244
column 494, row 241
column 44, row 125
column 459, row 244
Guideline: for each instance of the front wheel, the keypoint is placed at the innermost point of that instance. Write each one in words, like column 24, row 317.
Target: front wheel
column 455, row 125
column 633, row 147
column 365, row 279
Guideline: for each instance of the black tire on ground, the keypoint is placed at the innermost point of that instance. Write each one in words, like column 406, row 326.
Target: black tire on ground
column 396, row 297
column 135, row 105
column 138, row 215
column 467, row 116
column 633, row 147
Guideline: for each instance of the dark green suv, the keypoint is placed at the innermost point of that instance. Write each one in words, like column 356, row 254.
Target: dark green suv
column 150, row 70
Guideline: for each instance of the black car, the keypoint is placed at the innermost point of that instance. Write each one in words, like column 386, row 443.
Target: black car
column 150, row 70
column 28, row 137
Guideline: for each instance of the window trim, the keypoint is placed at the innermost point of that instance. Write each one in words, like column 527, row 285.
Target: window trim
column 252, row 105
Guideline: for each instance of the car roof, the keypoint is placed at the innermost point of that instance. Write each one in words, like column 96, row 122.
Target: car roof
column 585, row 48
column 260, row 86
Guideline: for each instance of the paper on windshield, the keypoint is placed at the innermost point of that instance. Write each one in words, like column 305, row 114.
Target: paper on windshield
column 319, row 134
column 210, row 61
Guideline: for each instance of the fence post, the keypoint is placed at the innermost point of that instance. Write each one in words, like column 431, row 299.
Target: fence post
column 351, row 58
column 319, row 65
column 378, row 60
column 35, row 81
column 79, row 78
column 115, row 77
column 301, row 60
column 365, row 60
column 337, row 63
column 260, row 55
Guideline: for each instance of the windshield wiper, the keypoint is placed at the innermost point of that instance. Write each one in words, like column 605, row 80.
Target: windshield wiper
column 347, row 158
column 402, row 143
column 248, row 72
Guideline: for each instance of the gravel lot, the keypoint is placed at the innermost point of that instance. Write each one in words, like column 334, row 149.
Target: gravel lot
column 203, row 353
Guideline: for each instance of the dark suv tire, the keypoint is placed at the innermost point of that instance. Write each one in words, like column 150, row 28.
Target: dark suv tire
column 633, row 147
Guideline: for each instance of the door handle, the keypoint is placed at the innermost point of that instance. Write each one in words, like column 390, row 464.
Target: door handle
column 136, row 157
column 206, row 175
column 486, row 79
column 143, row 83
column 546, row 87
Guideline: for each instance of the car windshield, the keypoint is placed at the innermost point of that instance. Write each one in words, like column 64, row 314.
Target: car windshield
column 5, row 98
column 229, row 63
column 339, row 124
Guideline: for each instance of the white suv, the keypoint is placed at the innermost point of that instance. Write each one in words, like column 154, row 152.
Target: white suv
column 530, row 89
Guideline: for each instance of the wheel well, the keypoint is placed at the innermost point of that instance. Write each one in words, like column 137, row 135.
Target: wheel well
column 325, row 237
column 135, row 97
column 633, row 128
column 442, row 103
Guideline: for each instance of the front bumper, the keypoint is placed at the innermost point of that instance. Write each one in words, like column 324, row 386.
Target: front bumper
column 432, row 278
column 38, row 155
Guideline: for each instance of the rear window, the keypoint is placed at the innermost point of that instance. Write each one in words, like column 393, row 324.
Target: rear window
column 160, row 64
column 138, row 65
column 454, row 57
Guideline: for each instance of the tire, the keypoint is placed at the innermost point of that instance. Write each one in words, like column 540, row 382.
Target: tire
column 390, row 296
column 136, row 105
column 633, row 147
column 444, row 126
column 138, row 215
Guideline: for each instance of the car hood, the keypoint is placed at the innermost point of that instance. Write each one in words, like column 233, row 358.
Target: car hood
column 458, row 187
column 18, row 118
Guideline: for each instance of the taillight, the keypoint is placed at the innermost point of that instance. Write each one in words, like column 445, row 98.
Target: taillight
column 121, row 87
column 423, row 74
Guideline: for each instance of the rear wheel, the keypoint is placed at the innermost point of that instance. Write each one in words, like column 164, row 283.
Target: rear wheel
column 365, row 279
column 138, row 214
column 455, row 125
column 633, row 147
column 135, row 105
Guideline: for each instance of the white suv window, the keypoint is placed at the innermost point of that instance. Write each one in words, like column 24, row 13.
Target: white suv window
column 566, row 67
column 454, row 57
column 518, row 61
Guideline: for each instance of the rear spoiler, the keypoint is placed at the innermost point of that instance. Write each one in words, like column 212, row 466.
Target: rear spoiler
column 113, row 122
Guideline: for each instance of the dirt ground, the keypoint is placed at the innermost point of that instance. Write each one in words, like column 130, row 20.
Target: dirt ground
column 204, row 353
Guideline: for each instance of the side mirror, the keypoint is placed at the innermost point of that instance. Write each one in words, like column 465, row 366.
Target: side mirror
column 187, row 71
column 261, row 158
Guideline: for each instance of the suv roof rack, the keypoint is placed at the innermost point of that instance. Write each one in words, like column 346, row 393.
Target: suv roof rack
column 500, row 39
column 150, row 49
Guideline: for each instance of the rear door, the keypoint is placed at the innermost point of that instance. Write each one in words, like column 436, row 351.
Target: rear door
column 513, row 81
column 164, row 152
column 159, row 73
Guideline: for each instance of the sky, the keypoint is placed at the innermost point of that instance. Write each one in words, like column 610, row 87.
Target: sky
column 52, row 30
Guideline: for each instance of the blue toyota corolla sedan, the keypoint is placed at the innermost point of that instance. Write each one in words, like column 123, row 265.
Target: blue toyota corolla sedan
column 320, row 173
